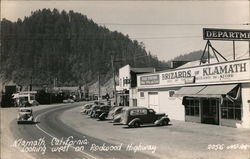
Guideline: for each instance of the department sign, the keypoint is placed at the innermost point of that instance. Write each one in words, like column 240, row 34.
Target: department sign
column 226, row 34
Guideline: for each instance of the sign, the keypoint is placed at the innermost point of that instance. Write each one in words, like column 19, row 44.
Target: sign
column 189, row 80
column 213, row 73
column 226, row 34
column 149, row 80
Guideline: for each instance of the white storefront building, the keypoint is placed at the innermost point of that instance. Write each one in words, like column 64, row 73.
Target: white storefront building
column 217, row 93
column 127, row 88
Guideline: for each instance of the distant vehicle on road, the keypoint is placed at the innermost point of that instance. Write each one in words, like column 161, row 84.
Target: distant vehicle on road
column 137, row 116
column 25, row 115
column 68, row 101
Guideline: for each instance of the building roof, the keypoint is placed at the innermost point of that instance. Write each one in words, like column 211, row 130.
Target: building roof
column 143, row 70
column 213, row 60
column 66, row 88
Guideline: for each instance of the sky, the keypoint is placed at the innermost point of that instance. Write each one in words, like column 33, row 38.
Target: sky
column 167, row 28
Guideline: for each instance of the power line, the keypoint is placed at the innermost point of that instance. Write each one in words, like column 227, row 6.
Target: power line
column 166, row 37
column 170, row 24
column 106, row 39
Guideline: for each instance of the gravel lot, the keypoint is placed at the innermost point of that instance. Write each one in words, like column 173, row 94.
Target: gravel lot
column 180, row 140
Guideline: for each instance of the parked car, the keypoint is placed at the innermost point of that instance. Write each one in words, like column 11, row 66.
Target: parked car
column 114, row 111
column 101, row 112
column 98, row 103
column 117, row 117
column 137, row 116
column 85, row 108
column 25, row 115
column 92, row 109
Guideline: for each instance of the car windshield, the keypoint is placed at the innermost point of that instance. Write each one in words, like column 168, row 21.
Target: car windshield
column 25, row 110
column 88, row 106
column 32, row 97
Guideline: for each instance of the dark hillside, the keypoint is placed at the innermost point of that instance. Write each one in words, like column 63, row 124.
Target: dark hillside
column 68, row 47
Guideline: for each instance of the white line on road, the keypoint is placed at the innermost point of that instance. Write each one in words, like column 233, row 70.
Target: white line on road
column 36, row 119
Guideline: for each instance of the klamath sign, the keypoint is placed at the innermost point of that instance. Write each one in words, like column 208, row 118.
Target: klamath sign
column 226, row 34
column 213, row 73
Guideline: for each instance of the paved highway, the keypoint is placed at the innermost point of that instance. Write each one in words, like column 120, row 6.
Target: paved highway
column 54, row 133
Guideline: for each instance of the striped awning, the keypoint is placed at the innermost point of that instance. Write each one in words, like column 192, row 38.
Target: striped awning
column 215, row 91
column 189, row 91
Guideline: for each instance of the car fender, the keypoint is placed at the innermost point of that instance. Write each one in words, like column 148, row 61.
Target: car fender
column 133, row 121
column 30, row 118
column 158, row 122
column 103, row 116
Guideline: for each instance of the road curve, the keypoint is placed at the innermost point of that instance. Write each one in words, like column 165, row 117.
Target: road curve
column 50, row 128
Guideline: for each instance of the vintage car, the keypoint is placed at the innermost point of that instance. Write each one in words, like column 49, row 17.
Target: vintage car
column 68, row 100
column 92, row 109
column 137, row 116
column 25, row 115
column 114, row 111
column 86, row 108
column 117, row 117
column 101, row 112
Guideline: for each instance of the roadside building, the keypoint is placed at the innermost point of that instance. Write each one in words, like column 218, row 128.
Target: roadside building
column 127, row 88
column 215, row 93
column 25, row 98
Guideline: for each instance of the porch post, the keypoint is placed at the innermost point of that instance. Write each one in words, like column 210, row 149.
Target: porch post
column 220, row 102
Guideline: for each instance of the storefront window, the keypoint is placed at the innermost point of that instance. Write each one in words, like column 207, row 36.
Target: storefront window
column 192, row 107
column 142, row 94
column 231, row 110
column 171, row 93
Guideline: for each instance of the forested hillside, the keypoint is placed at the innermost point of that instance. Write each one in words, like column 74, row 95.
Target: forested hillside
column 68, row 47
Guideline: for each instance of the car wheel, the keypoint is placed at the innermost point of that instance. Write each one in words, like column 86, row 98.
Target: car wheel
column 164, row 122
column 137, row 124
column 130, row 126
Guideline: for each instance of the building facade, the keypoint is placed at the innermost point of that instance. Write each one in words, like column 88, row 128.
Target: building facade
column 216, row 93
column 127, row 88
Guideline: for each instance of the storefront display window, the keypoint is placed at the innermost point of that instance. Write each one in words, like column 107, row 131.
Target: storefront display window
column 171, row 93
column 142, row 94
column 231, row 110
column 192, row 107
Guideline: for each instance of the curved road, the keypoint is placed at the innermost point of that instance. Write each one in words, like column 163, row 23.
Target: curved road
column 50, row 128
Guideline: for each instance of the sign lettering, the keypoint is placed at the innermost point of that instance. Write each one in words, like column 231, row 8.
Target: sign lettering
column 149, row 80
column 223, row 72
column 226, row 34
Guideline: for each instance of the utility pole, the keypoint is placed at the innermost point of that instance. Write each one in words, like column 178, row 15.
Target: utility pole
column 99, row 88
column 113, row 70
column 31, row 82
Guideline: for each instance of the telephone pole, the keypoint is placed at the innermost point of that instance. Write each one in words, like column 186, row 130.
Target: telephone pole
column 113, row 70
column 99, row 88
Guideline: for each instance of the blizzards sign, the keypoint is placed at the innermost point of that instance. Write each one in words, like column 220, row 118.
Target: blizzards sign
column 226, row 34
column 214, row 73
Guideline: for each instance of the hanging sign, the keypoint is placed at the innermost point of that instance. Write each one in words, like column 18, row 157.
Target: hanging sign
column 226, row 34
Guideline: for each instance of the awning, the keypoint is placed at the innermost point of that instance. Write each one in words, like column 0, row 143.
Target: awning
column 189, row 91
column 215, row 91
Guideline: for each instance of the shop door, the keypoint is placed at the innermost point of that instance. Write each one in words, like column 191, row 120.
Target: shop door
column 153, row 101
column 210, row 111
